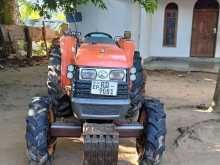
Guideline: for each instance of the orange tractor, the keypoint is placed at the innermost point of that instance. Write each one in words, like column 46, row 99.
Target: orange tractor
column 95, row 91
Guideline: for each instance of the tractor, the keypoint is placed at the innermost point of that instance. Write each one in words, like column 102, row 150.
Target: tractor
column 96, row 91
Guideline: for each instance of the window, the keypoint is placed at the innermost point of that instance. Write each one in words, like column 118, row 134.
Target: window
column 170, row 25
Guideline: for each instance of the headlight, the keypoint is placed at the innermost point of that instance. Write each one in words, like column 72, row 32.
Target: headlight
column 88, row 74
column 133, row 77
column 70, row 75
column 70, row 68
column 133, row 70
column 117, row 75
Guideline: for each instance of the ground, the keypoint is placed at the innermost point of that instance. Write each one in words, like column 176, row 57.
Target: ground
column 183, row 93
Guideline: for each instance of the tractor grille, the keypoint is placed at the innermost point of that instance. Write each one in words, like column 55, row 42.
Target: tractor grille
column 82, row 89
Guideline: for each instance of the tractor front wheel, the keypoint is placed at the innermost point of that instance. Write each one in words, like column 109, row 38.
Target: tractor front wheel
column 40, row 146
column 138, row 88
column 151, row 145
column 60, row 101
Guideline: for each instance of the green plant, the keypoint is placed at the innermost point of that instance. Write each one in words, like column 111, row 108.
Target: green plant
column 149, row 5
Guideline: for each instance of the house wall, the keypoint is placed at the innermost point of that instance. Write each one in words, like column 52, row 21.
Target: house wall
column 145, row 34
column 184, row 31
column 147, row 29
column 120, row 16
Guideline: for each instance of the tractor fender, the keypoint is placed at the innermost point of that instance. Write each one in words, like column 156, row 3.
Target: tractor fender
column 129, row 48
column 68, row 55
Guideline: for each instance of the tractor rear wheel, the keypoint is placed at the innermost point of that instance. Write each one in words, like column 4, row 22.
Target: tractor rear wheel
column 60, row 101
column 151, row 145
column 40, row 146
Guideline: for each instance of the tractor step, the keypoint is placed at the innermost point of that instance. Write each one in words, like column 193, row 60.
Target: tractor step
column 101, row 143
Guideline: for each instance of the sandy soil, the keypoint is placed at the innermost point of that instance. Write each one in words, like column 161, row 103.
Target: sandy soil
column 198, row 143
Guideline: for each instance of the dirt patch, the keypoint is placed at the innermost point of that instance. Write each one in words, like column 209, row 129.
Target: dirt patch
column 16, row 63
column 193, row 134
column 201, row 132
column 181, row 89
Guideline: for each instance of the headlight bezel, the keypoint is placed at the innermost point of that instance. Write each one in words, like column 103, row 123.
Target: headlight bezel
column 106, row 71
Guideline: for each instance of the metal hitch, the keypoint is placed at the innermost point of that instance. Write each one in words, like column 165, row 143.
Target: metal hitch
column 101, row 141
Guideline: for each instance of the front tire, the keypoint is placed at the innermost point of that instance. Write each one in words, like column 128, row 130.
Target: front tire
column 138, row 86
column 54, row 70
column 138, row 89
column 37, row 132
column 151, row 145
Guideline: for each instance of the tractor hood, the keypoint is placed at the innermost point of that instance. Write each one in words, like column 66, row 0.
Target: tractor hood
column 102, row 55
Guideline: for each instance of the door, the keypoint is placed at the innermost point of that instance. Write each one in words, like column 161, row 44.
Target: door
column 204, row 32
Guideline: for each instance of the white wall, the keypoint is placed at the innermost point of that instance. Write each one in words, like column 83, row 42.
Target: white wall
column 145, row 34
column 184, row 31
column 147, row 29
column 120, row 16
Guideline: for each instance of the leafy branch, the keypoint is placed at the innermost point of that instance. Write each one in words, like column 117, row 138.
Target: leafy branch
column 46, row 7
column 149, row 5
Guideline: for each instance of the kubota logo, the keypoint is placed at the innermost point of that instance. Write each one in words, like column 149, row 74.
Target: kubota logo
column 103, row 74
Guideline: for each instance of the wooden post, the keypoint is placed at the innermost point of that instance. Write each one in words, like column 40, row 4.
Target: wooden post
column 44, row 37
column 28, row 40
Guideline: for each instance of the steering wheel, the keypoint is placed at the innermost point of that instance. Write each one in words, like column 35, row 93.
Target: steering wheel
column 99, row 34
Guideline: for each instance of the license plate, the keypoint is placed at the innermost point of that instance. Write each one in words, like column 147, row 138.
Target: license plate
column 107, row 88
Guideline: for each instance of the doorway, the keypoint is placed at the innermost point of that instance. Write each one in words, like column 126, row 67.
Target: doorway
column 205, row 27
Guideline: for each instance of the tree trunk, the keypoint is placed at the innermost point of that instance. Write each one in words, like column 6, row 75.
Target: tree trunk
column 8, row 12
column 28, row 40
column 45, row 38
column 216, row 98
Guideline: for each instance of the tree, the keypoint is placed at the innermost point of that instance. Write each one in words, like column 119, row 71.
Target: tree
column 27, row 11
column 149, row 5
column 8, row 11
column 46, row 7
column 216, row 98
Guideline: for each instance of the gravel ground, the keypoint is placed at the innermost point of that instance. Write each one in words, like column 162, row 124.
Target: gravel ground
column 197, row 144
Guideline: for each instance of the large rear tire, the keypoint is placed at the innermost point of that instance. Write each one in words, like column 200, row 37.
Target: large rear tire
column 39, row 143
column 151, row 145
column 60, row 101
